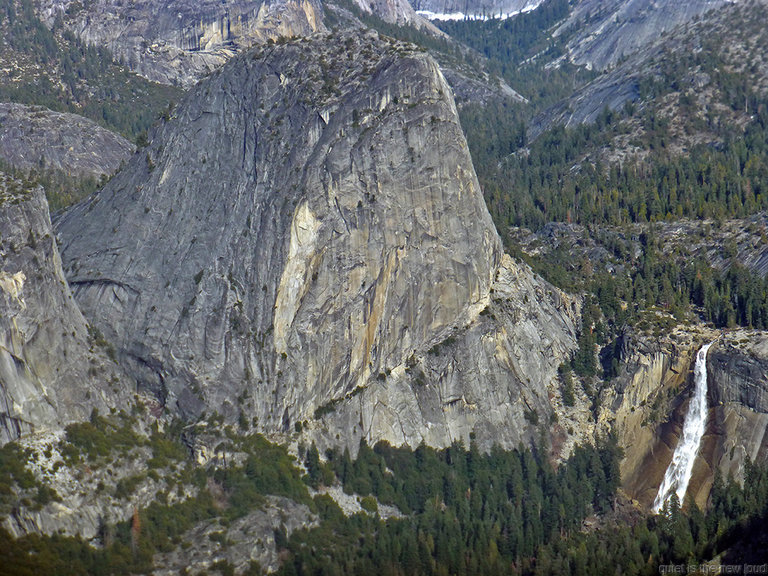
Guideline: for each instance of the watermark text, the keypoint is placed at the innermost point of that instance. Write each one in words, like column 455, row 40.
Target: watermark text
column 712, row 569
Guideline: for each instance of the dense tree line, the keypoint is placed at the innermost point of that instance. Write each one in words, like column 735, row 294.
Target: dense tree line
column 736, row 297
column 467, row 512
column 462, row 512
column 718, row 170
column 508, row 513
column 508, row 41
column 519, row 50
column 732, row 527
column 549, row 181
column 653, row 292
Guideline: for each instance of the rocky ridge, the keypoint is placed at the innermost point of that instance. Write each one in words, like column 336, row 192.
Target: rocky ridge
column 33, row 137
column 687, row 63
column 604, row 33
column 350, row 239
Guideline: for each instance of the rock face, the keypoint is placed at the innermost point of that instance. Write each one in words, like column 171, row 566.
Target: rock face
column 181, row 41
column 50, row 373
column 35, row 137
column 606, row 32
column 635, row 42
column 296, row 240
column 738, row 371
column 656, row 383
column 611, row 90
column 86, row 499
column 493, row 376
column 645, row 405
column 395, row 11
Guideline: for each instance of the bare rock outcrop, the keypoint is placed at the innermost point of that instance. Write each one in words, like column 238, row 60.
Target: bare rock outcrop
column 395, row 11
column 604, row 33
column 491, row 377
column 250, row 539
column 738, row 371
column 33, row 137
column 297, row 239
column 627, row 40
column 51, row 370
column 180, row 41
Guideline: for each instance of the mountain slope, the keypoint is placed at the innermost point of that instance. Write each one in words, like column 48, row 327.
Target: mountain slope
column 690, row 74
column 52, row 67
column 603, row 33
column 35, row 138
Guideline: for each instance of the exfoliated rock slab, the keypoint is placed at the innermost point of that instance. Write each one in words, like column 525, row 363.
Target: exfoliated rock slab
column 308, row 223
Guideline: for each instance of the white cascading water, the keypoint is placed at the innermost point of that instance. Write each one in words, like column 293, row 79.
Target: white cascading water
column 679, row 472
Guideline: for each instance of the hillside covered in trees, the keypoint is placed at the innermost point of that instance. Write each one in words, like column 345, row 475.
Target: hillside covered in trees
column 460, row 511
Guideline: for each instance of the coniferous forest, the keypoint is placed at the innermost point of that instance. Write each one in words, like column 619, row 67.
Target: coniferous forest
column 622, row 185
column 457, row 511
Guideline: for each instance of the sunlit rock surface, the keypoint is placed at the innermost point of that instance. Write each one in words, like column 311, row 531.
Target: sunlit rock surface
column 296, row 240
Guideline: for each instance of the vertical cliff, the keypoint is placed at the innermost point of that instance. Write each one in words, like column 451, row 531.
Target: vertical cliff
column 51, row 370
column 181, row 41
column 738, row 367
column 643, row 404
column 646, row 406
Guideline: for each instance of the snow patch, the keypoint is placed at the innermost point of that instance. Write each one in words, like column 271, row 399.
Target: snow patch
column 456, row 16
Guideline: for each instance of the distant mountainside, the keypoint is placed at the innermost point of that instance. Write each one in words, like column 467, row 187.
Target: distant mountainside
column 178, row 42
column 704, row 80
column 286, row 336
column 52, row 67
column 643, row 187
column 398, row 12
column 35, row 138
column 602, row 33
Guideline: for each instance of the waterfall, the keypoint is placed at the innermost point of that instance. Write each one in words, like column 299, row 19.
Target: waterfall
column 679, row 472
